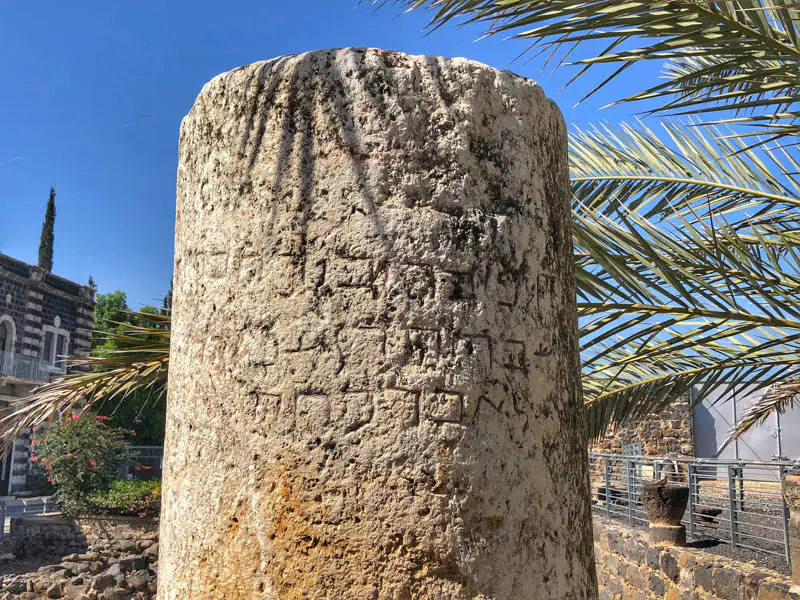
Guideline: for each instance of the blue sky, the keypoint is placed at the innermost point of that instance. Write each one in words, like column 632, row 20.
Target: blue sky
column 94, row 93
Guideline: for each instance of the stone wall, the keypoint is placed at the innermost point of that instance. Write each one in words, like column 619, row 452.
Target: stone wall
column 97, row 530
column 628, row 567
column 667, row 434
column 46, row 536
column 35, row 299
column 110, row 558
column 53, row 536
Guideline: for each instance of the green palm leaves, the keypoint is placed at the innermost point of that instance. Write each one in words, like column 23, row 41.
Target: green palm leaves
column 687, row 267
column 735, row 54
column 139, row 362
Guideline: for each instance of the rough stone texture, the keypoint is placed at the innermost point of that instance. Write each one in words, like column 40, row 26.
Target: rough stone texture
column 667, row 535
column 667, row 434
column 107, row 569
column 628, row 567
column 791, row 491
column 55, row 536
column 664, row 503
column 374, row 390
column 794, row 543
column 45, row 537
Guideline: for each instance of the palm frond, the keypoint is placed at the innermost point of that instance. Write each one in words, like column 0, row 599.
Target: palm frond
column 777, row 398
column 681, row 174
column 140, row 362
column 739, row 54
column 688, row 268
column 665, row 310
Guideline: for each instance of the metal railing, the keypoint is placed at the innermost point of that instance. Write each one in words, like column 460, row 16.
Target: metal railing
column 737, row 502
column 24, row 367
column 144, row 462
column 23, row 508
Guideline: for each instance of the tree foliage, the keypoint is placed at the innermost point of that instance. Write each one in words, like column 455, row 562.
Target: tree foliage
column 47, row 240
column 82, row 455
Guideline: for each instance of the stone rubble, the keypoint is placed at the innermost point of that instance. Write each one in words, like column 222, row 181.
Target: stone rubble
column 118, row 570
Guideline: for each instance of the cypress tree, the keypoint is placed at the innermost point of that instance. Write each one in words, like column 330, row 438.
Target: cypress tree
column 46, row 243
column 166, row 306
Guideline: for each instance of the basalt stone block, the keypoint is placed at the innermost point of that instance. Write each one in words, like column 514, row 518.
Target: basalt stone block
column 667, row 535
column 664, row 503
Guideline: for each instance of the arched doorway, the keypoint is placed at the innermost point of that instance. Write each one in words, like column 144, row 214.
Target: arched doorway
column 7, row 334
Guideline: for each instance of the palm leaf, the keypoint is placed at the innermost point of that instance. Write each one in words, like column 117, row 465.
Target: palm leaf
column 140, row 363
column 738, row 54
column 777, row 398
column 686, row 172
column 664, row 311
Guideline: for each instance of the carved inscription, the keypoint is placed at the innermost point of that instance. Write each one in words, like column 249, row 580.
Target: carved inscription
column 350, row 272
column 443, row 407
column 451, row 285
column 313, row 412
column 370, row 365
column 513, row 354
column 351, row 412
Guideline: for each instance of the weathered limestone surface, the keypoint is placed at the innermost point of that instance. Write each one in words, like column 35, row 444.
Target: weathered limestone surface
column 374, row 390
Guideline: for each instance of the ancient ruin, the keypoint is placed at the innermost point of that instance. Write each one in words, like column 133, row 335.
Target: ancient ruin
column 374, row 389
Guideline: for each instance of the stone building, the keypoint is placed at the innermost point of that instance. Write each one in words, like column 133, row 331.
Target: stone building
column 668, row 433
column 43, row 318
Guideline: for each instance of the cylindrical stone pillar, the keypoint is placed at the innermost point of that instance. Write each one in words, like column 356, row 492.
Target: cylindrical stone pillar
column 374, row 385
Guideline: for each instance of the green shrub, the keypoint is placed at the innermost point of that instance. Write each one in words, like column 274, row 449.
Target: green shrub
column 81, row 457
column 129, row 497
column 38, row 481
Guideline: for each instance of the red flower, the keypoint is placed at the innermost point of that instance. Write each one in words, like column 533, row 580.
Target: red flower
column 93, row 463
column 133, row 432
column 69, row 453
column 138, row 468
column 75, row 417
column 34, row 458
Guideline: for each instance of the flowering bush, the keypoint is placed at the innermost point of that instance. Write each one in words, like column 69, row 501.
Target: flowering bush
column 81, row 456
column 129, row 497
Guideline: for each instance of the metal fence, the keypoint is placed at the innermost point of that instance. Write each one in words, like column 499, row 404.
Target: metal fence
column 144, row 462
column 23, row 508
column 23, row 367
column 736, row 502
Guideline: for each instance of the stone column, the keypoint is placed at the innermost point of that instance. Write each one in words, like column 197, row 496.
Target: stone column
column 374, row 390
column 665, row 504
